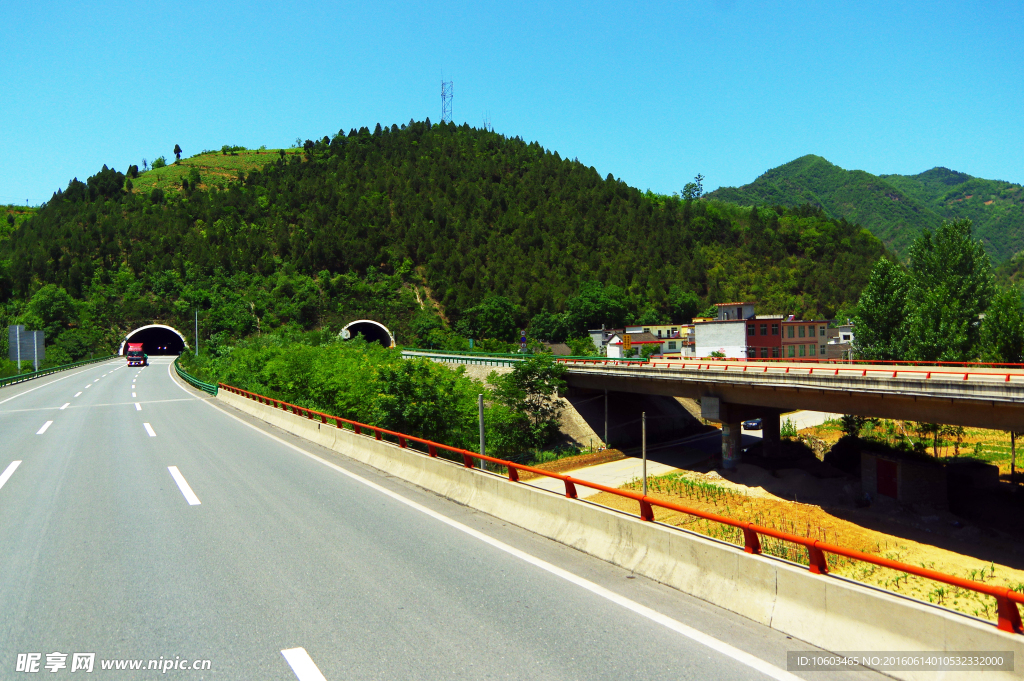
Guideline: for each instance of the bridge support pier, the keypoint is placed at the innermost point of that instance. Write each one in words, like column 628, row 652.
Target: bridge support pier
column 732, row 416
column 771, row 428
column 732, row 444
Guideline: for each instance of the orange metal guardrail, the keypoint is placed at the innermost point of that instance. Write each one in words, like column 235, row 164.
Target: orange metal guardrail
column 1009, row 618
column 742, row 366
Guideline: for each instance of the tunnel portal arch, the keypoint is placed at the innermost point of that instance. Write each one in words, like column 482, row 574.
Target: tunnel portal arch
column 156, row 339
column 372, row 331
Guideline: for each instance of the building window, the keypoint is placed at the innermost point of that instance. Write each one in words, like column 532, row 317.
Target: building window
column 789, row 332
column 764, row 329
column 775, row 329
column 659, row 333
column 750, row 330
column 764, row 353
column 792, row 351
column 775, row 352
column 671, row 345
column 647, row 330
column 821, row 331
column 800, row 331
column 823, row 349
column 811, row 348
column 803, row 352
column 846, row 337
column 739, row 313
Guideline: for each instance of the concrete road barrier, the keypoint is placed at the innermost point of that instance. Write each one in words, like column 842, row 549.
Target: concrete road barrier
column 828, row 612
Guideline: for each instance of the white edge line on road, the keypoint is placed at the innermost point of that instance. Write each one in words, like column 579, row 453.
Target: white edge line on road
column 50, row 383
column 722, row 647
column 189, row 495
column 43, row 429
column 66, row 405
column 149, row 429
column 138, row 407
column 302, row 664
column 8, row 472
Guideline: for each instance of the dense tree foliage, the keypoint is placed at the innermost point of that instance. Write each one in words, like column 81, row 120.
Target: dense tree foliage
column 934, row 311
column 431, row 229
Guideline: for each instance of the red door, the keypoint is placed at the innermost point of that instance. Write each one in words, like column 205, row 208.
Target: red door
column 886, row 476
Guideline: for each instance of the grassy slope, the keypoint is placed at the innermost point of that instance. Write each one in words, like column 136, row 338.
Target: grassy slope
column 895, row 207
column 20, row 213
column 215, row 169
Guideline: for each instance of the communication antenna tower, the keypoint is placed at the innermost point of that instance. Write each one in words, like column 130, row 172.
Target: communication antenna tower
column 447, row 91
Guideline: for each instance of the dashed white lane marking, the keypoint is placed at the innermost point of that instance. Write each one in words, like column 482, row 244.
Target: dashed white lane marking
column 149, row 429
column 66, row 405
column 43, row 429
column 97, row 380
column 302, row 664
column 138, row 407
column 689, row 632
column 8, row 472
column 190, row 496
column 133, row 394
column 58, row 380
column 78, row 393
column 88, row 386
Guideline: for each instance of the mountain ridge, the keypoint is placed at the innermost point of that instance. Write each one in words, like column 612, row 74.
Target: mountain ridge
column 894, row 207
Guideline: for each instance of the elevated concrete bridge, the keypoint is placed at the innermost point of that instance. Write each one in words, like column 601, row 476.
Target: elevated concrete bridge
column 733, row 391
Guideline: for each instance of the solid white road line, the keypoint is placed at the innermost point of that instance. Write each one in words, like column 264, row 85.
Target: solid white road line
column 66, row 405
column 149, row 429
column 43, row 429
column 700, row 637
column 190, row 496
column 302, row 664
column 8, row 472
column 138, row 407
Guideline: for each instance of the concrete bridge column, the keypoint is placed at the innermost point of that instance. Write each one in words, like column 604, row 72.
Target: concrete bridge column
column 732, row 444
column 771, row 427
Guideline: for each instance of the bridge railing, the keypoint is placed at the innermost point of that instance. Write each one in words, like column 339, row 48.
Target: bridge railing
column 922, row 372
column 11, row 380
column 193, row 381
column 511, row 356
column 1007, row 600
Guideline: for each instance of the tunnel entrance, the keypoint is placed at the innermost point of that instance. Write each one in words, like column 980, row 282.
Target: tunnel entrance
column 156, row 340
column 373, row 332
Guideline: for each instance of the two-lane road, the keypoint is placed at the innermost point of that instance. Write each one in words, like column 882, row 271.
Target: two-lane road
column 147, row 521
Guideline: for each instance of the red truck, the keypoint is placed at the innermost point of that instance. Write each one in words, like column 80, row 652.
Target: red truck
column 136, row 357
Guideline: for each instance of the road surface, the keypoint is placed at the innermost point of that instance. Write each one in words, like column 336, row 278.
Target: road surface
column 146, row 521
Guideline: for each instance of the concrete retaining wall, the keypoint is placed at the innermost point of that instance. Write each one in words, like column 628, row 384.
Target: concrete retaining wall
column 827, row 612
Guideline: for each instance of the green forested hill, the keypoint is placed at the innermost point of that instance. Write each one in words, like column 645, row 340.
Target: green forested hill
column 496, row 230
column 894, row 207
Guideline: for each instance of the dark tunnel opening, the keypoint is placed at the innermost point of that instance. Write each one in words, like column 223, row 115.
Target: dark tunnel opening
column 372, row 333
column 157, row 341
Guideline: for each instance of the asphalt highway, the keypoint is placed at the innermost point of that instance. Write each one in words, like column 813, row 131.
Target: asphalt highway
column 147, row 521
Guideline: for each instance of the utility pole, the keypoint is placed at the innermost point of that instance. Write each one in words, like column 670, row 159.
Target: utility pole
column 607, row 446
column 643, row 445
column 480, row 407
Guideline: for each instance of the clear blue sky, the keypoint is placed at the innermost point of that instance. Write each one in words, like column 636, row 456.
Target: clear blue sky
column 652, row 93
